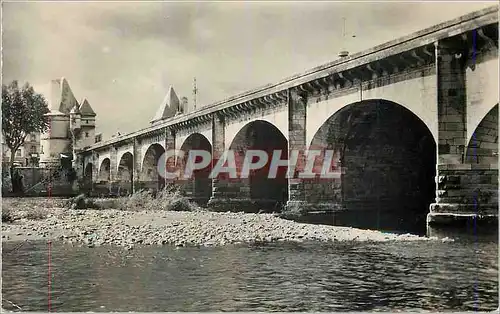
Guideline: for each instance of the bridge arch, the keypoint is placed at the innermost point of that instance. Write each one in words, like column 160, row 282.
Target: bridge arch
column 87, row 172
column 416, row 95
column 88, row 175
column 149, row 175
column 482, row 147
column 199, row 185
column 387, row 157
column 481, row 90
column 279, row 120
column 125, row 172
column 104, row 170
column 120, row 157
column 262, row 135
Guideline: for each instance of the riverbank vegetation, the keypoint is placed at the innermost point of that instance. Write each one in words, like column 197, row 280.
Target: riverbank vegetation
column 169, row 199
column 14, row 209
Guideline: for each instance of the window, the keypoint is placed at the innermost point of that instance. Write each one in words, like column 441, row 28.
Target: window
column 33, row 137
column 18, row 152
column 33, row 149
column 86, row 134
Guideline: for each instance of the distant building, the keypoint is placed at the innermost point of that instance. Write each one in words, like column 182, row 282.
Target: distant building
column 26, row 155
column 71, row 126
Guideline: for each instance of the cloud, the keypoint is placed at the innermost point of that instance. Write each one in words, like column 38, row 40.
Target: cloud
column 123, row 56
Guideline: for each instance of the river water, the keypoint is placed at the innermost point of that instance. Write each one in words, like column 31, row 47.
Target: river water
column 433, row 275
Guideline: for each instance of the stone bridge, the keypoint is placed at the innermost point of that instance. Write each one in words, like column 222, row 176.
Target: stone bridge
column 414, row 123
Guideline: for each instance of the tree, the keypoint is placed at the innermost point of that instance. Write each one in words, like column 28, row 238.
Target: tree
column 23, row 112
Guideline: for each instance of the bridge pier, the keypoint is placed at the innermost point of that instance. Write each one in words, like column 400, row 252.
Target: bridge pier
column 466, row 186
column 233, row 195
column 466, row 195
column 136, row 168
column 227, row 194
column 95, row 170
column 312, row 200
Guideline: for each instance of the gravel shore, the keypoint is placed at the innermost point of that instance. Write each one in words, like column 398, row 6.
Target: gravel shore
column 199, row 228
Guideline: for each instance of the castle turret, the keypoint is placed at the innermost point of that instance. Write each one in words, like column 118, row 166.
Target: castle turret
column 71, row 126
column 88, row 117
column 75, row 119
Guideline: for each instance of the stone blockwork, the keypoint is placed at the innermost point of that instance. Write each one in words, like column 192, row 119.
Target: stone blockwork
column 464, row 192
column 219, row 183
column 297, row 108
column 467, row 173
column 137, row 161
column 451, row 103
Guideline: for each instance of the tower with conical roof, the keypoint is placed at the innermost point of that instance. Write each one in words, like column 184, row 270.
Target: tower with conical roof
column 87, row 125
column 168, row 107
column 56, row 142
column 71, row 126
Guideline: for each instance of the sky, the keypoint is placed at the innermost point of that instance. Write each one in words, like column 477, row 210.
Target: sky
column 123, row 56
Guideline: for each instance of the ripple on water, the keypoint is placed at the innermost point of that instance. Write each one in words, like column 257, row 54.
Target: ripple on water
column 425, row 275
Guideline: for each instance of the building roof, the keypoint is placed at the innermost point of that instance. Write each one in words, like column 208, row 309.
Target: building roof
column 86, row 110
column 55, row 113
column 75, row 110
column 168, row 107
column 62, row 97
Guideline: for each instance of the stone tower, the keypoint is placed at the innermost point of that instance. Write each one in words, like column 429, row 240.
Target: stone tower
column 56, row 142
column 71, row 127
column 87, row 125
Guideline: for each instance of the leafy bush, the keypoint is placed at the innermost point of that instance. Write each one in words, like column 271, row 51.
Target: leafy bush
column 36, row 214
column 293, row 211
column 168, row 199
column 7, row 215
column 82, row 202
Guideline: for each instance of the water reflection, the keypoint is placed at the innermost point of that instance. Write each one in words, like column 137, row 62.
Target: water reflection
column 307, row 277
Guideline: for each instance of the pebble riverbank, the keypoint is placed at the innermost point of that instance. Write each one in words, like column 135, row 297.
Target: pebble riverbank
column 200, row 228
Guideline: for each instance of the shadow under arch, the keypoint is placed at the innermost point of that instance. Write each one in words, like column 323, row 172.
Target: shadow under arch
column 88, row 171
column 387, row 156
column 272, row 193
column 150, row 178
column 198, row 186
column 104, row 174
column 125, row 173
column 483, row 145
column 87, row 177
